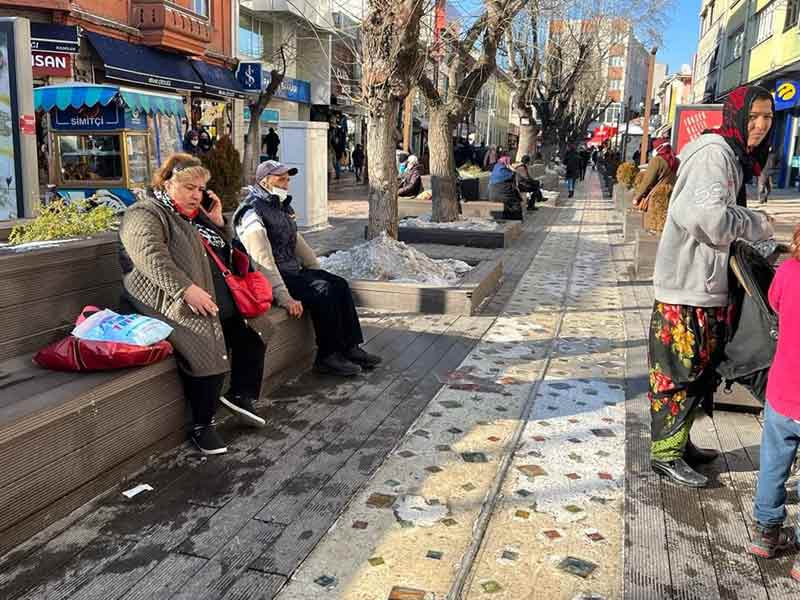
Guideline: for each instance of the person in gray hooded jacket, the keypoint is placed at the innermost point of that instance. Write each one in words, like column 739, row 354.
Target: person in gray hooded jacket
column 707, row 212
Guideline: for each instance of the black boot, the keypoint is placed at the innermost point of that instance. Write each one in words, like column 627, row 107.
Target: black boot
column 336, row 364
column 680, row 472
column 363, row 359
column 699, row 456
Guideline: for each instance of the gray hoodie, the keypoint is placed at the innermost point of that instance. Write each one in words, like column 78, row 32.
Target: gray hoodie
column 702, row 221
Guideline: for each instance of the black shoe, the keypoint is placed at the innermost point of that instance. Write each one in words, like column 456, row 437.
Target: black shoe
column 680, row 472
column 363, row 359
column 699, row 456
column 242, row 407
column 770, row 540
column 206, row 438
column 336, row 364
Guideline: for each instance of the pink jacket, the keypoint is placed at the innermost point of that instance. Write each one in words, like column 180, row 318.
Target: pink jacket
column 783, row 385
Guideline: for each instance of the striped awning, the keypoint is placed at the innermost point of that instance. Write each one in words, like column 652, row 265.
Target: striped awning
column 86, row 94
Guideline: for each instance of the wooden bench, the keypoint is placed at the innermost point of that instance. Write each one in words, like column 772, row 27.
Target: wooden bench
column 68, row 437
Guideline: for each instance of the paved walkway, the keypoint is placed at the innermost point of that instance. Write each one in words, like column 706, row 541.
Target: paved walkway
column 510, row 481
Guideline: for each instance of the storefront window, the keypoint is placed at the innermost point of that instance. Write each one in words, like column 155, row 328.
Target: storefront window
column 138, row 160
column 89, row 157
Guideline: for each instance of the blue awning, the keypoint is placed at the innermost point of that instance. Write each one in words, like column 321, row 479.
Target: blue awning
column 142, row 64
column 219, row 81
column 49, row 37
column 86, row 94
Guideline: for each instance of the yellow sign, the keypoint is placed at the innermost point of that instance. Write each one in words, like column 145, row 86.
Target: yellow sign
column 786, row 91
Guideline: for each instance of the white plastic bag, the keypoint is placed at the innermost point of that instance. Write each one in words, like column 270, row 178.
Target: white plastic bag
column 108, row 326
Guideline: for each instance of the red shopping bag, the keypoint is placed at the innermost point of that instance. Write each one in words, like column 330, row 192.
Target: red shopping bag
column 74, row 354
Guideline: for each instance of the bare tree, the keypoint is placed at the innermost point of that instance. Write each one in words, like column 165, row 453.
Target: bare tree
column 252, row 150
column 557, row 51
column 391, row 60
column 470, row 61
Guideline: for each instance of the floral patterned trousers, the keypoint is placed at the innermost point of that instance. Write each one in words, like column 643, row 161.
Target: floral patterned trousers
column 686, row 344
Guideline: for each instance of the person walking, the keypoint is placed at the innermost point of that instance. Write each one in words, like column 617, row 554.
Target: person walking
column 273, row 141
column 358, row 161
column 690, row 317
column 572, row 161
column 765, row 179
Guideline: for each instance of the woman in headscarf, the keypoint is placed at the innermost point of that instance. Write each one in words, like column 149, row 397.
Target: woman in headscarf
column 691, row 314
column 502, row 189
column 659, row 176
column 411, row 181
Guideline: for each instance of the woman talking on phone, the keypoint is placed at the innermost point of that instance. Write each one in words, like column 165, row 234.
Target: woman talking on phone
column 169, row 236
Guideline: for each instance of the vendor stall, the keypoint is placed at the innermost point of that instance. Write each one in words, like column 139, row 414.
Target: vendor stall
column 107, row 140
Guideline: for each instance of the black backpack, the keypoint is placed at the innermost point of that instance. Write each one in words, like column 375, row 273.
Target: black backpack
column 753, row 336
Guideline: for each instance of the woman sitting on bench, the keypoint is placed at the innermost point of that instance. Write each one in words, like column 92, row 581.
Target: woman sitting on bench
column 170, row 276
column 265, row 224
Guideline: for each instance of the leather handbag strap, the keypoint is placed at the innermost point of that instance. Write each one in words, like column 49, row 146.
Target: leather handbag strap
column 226, row 272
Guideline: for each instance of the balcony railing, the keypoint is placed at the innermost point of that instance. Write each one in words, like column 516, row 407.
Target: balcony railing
column 167, row 25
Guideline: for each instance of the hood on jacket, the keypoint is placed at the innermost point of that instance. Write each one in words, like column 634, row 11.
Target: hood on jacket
column 703, row 142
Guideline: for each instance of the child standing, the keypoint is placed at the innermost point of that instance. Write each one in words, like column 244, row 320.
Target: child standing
column 781, row 434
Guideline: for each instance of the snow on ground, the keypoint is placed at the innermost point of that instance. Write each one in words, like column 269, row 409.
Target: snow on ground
column 465, row 224
column 35, row 245
column 386, row 259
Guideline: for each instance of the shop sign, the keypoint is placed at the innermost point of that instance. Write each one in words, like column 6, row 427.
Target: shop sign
column 89, row 118
column 249, row 75
column 693, row 119
column 46, row 64
column 295, row 90
column 135, row 119
column 786, row 94
column 268, row 115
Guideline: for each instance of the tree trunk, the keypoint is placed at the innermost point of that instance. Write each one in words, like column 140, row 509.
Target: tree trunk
column 382, row 169
column 442, row 166
column 527, row 137
column 252, row 149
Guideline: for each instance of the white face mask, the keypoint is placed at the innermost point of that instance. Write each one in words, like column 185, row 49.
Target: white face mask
column 194, row 142
column 279, row 192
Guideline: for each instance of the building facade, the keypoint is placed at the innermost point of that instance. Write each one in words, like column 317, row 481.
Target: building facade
column 131, row 78
column 755, row 42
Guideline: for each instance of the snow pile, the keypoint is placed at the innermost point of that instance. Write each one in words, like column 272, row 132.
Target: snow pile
column 465, row 224
column 386, row 259
column 550, row 195
column 36, row 245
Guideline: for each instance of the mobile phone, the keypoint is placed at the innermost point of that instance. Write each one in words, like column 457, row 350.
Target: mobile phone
column 207, row 202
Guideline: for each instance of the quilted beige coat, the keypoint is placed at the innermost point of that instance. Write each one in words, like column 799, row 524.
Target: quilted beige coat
column 168, row 256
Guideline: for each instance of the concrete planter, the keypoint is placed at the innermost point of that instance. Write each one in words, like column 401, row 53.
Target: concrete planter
column 502, row 238
column 644, row 254
column 461, row 299
column 417, row 208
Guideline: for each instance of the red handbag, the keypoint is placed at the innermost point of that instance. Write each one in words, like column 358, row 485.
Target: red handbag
column 251, row 292
column 75, row 354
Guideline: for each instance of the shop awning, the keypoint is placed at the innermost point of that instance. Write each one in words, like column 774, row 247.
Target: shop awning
column 145, row 65
column 219, row 81
column 86, row 94
column 49, row 37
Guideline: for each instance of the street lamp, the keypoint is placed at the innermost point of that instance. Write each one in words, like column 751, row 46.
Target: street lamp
column 627, row 127
column 647, row 102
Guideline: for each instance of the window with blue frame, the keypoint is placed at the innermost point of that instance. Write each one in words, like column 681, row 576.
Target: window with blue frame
column 255, row 37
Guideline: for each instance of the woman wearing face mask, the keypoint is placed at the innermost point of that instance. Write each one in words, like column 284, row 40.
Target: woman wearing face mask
column 690, row 317
column 191, row 143
column 170, row 275
column 265, row 224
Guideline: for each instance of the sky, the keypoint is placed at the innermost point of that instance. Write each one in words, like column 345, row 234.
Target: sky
column 680, row 37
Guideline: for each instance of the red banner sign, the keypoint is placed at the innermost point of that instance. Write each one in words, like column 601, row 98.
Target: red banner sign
column 47, row 64
column 27, row 125
column 691, row 121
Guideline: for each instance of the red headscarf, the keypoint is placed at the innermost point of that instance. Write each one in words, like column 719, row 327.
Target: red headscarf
column 735, row 118
column 664, row 149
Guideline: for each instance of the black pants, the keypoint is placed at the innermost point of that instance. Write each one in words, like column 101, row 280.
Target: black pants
column 246, row 351
column 358, row 170
column 327, row 297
